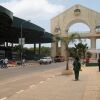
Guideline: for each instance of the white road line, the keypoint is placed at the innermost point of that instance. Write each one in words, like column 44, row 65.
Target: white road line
column 48, row 78
column 53, row 76
column 5, row 98
column 42, row 82
column 32, row 86
column 20, row 91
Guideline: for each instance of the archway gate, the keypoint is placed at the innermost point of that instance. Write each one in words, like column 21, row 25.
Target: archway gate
column 61, row 23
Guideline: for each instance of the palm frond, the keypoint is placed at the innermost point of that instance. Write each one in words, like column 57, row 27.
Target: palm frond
column 72, row 37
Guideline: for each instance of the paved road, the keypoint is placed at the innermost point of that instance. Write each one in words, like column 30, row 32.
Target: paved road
column 15, row 80
column 63, row 87
column 13, row 72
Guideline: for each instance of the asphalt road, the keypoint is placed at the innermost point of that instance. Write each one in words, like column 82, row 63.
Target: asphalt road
column 16, row 80
column 13, row 72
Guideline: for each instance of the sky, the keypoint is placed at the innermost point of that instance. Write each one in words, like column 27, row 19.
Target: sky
column 40, row 12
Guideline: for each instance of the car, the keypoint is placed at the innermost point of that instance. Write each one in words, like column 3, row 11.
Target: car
column 45, row 60
column 59, row 59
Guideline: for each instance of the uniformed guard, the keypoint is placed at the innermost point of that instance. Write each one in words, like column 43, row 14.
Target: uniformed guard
column 76, row 68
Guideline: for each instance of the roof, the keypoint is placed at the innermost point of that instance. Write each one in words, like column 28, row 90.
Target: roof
column 28, row 25
column 6, row 12
column 10, row 29
column 94, row 50
column 6, row 17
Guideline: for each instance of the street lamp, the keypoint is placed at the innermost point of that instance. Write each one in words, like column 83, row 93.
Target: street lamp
column 21, row 38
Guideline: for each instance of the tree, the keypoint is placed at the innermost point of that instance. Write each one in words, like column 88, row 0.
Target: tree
column 66, row 41
column 72, row 52
column 45, row 51
column 81, row 49
column 17, row 48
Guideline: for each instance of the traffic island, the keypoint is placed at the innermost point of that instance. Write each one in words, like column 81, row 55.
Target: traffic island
column 91, row 64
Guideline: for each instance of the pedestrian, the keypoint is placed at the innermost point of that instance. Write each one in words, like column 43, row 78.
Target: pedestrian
column 87, row 60
column 5, row 62
column 1, row 63
column 23, row 62
column 99, row 62
column 76, row 68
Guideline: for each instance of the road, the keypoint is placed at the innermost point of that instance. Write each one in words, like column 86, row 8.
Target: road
column 16, row 80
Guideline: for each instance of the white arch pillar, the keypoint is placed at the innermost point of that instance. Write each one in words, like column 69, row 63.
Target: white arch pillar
column 63, row 49
column 93, row 43
column 54, row 47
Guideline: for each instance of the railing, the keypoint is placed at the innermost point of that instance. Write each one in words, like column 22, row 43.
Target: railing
column 86, row 33
column 79, row 32
column 82, row 34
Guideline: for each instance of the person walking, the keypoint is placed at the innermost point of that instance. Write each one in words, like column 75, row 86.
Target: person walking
column 76, row 68
column 99, row 62
column 5, row 62
column 23, row 62
column 1, row 63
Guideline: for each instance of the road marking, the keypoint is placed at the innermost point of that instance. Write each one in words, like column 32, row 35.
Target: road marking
column 42, row 82
column 20, row 91
column 48, row 78
column 32, row 86
column 3, row 98
column 53, row 76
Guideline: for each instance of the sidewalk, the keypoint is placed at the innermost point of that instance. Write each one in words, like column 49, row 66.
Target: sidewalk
column 65, row 88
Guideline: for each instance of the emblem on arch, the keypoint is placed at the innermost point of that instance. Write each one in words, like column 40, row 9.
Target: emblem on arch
column 77, row 12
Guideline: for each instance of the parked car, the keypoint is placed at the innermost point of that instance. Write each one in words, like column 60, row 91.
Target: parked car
column 45, row 60
column 59, row 59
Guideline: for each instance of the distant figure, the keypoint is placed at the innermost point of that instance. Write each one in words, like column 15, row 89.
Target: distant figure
column 76, row 68
column 99, row 62
column 1, row 63
column 5, row 62
column 23, row 62
column 87, row 60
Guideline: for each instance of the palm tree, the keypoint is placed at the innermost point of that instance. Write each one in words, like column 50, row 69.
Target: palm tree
column 73, row 52
column 81, row 48
column 66, row 41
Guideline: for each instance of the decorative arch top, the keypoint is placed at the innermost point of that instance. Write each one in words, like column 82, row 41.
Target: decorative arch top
column 76, row 14
column 77, row 21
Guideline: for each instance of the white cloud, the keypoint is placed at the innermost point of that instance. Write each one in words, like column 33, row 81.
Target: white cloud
column 33, row 9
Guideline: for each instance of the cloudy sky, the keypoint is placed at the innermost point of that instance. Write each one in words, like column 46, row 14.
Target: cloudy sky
column 41, row 11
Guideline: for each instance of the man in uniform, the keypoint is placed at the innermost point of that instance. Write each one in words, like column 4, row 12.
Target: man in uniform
column 76, row 68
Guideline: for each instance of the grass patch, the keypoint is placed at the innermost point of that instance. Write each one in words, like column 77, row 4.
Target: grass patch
column 92, row 64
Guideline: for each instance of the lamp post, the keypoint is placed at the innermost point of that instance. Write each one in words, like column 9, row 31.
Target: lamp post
column 21, row 37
